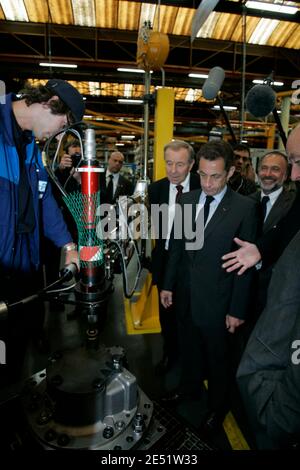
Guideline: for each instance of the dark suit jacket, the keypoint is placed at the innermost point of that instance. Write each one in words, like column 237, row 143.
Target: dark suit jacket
column 124, row 188
column 269, row 372
column 279, row 210
column 197, row 277
column 275, row 240
column 158, row 193
column 282, row 205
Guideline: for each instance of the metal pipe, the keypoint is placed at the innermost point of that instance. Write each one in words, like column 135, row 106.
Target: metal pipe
column 146, row 122
column 242, row 112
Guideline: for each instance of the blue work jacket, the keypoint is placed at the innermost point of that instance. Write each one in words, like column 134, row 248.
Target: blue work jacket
column 49, row 221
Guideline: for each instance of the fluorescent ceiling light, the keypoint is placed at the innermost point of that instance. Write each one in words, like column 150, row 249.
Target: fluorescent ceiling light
column 127, row 137
column 276, row 7
column 227, row 108
column 124, row 101
column 120, row 145
column 122, row 69
column 198, row 75
column 53, row 64
column 261, row 82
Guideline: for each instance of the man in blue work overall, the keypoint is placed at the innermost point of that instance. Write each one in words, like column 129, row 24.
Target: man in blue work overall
column 28, row 211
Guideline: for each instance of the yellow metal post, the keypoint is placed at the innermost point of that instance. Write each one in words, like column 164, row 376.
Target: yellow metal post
column 141, row 311
column 163, row 128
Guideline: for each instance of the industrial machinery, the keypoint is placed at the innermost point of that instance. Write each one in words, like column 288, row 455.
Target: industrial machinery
column 86, row 398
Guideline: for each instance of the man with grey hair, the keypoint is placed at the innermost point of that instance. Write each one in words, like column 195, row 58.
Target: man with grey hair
column 179, row 159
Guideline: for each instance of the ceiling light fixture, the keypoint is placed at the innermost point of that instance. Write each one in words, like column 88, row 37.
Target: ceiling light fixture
column 261, row 82
column 227, row 108
column 124, row 101
column 53, row 64
column 198, row 75
column 122, row 69
column 275, row 7
column 127, row 137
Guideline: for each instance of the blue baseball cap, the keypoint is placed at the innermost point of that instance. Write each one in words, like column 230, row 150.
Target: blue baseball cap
column 69, row 95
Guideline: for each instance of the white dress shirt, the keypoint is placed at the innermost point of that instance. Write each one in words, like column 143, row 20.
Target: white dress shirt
column 213, row 205
column 115, row 179
column 273, row 198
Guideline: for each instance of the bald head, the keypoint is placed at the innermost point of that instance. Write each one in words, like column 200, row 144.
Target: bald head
column 293, row 142
column 293, row 151
column 115, row 162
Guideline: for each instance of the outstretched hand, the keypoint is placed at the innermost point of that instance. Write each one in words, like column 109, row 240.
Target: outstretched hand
column 245, row 257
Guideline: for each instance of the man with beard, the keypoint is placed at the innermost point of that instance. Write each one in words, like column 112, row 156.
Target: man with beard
column 275, row 201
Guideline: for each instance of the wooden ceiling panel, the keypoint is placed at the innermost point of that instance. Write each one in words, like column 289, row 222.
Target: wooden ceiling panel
column 173, row 20
column 282, row 33
column 61, row 11
column 139, row 90
column 251, row 25
column 237, row 34
column 37, row 11
column 165, row 18
column 107, row 14
column 2, row 17
column 183, row 22
column 225, row 25
column 206, row 30
column 129, row 15
column 293, row 41
column 180, row 93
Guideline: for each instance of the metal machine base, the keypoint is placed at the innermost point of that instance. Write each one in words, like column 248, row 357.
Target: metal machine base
column 86, row 400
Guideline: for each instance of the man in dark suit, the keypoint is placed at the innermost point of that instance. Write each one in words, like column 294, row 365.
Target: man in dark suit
column 210, row 303
column 275, row 201
column 116, row 185
column 179, row 159
column 269, row 372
